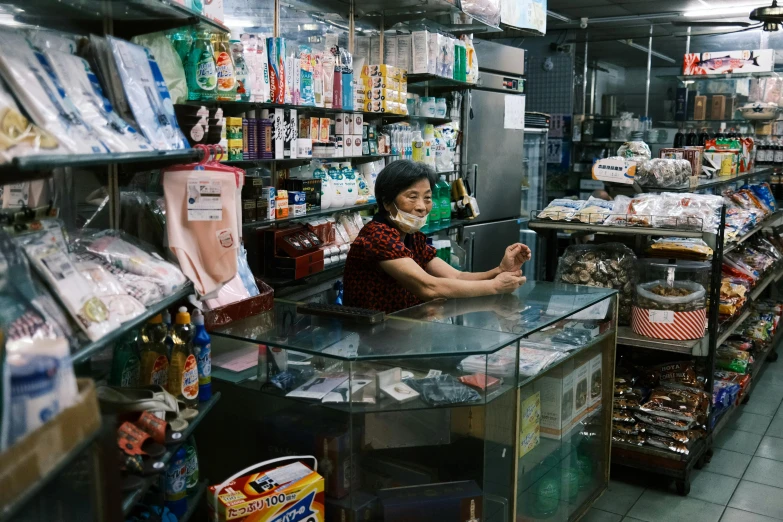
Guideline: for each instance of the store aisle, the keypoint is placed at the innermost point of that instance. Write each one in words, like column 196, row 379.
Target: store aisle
column 742, row 483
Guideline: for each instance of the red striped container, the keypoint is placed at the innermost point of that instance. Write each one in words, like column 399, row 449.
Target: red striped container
column 666, row 324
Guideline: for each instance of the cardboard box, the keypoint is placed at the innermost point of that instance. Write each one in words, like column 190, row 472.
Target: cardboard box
column 581, row 390
column 450, row 501
column 381, row 82
column 36, row 455
column 257, row 496
column 718, row 107
column 390, row 50
column 356, row 507
column 381, row 106
column 725, row 62
column 278, row 133
column 530, row 412
column 382, row 95
column 423, row 58
column 700, row 108
column 528, row 440
column 357, row 123
column 596, row 381
column 315, row 129
column 404, row 51
column 557, row 403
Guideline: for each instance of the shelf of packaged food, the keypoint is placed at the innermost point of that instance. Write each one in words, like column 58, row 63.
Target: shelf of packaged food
column 193, row 501
column 433, row 81
column 131, row 498
column 717, row 181
column 545, row 224
column 767, row 222
column 90, row 349
column 25, row 168
column 10, row 511
column 252, row 163
column 309, row 215
column 728, row 328
column 766, row 280
column 695, row 347
column 237, row 107
column 696, row 451
column 129, row 17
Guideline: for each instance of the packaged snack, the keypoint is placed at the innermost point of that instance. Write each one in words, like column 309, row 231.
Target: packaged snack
column 561, row 209
column 634, row 440
column 683, row 247
column 669, row 444
column 678, row 296
column 764, row 194
column 620, row 403
column 665, row 422
column 661, row 410
column 733, row 360
column 627, row 429
column 683, row 437
column 594, row 210
column 635, row 151
column 623, row 416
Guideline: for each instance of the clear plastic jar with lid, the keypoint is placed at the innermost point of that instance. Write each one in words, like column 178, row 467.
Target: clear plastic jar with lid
column 440, row 107
column 428, row 106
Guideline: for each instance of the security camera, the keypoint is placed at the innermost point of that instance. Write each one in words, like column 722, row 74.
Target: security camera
column 583, row 23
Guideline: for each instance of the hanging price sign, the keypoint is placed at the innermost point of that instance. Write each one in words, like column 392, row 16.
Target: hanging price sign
column 615, row 170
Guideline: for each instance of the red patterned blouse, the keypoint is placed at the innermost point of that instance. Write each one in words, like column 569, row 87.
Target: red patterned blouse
column 366, row 285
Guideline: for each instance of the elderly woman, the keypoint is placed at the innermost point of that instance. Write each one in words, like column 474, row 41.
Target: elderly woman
column 390, row 266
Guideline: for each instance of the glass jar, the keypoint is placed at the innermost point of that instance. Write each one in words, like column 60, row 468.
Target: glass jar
column 440, row 107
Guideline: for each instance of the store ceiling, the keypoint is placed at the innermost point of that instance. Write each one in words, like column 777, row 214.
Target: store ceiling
column 631, row 19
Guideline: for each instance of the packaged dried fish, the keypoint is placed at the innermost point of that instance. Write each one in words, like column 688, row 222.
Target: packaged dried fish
column 665, row 422
column 669, row 444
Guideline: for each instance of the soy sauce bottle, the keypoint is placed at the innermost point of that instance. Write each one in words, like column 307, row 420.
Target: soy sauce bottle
column 691, row 139
column 703, row 137
column 679, row 139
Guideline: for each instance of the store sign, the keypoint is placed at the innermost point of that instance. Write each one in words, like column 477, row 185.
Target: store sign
column 615, row 170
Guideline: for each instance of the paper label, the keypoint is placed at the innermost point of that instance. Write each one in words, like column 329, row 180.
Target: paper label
column 514, row 113
column 615, row 170
column 16, row 195
column 225, row 238
column 204, row 202
column 661, row 316
column 433, row 373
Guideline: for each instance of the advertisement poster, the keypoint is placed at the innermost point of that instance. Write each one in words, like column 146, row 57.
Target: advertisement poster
column 524, row 14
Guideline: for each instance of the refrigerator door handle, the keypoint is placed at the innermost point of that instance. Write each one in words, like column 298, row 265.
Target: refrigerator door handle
column 475, row 180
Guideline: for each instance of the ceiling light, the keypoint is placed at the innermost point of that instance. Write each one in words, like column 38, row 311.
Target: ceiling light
column 720, row 11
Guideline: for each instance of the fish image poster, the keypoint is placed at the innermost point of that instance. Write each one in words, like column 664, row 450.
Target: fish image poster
column 728, row 62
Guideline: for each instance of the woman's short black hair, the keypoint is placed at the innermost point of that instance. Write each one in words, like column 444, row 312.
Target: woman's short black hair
column 397, row 177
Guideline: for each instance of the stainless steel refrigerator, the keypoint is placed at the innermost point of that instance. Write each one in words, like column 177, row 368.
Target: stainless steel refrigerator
column 494, row 147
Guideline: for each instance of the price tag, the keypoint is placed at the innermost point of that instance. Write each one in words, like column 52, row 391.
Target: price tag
column 204, row 202
column 615, row 170
column 554, row 150
column 661, row 316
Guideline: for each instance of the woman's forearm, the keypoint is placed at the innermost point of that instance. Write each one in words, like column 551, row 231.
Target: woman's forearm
column 441, row 287
column 479, row 276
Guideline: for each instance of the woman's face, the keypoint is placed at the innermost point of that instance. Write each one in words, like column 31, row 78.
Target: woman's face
column 416, row 200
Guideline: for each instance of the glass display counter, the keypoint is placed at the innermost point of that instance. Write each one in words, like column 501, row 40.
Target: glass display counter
column 468, row 409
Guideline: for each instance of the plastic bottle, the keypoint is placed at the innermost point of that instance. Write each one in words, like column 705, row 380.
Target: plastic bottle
column 154, row 353
column 202, row 348
column 183, row 368
column 125, row 361
column 167, row 321
column 429, row 145
column 433, row 218
column 691, row 139
column 463, row 58
column 176, row 496
column 336, row 182
column 444, row 200
column 679, row 139
column 242, row 72
column 226, row 73
column 417, row 145
column 327, row 195
column 350, row 184
column 337, row 89
column 191, row 465
column 201, row 70
column 347, row 79
column 182, row 40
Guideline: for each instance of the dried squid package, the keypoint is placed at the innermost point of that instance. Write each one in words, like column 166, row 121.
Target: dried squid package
column 612, row 265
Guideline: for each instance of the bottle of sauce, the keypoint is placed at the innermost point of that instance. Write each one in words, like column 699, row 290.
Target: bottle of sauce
column 703, row 137
column 691, row 139
column 679, row 139
column 183, row 368
column 154, row 353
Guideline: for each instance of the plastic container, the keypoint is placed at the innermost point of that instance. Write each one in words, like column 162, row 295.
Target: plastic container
column 202, row 348
column 154, row 353
column 183, row 368
column 33, row 394
column 444, row 202
column 125, row 362
column 440, row 108
column 428, row 106
column 176, row 496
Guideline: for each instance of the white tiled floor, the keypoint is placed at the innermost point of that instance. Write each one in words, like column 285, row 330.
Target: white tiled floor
column 742, row 483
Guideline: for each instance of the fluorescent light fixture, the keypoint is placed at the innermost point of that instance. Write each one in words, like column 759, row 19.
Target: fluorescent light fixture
column 643, row 48
column 9, row 21
column 721, row 11
column 558, row 16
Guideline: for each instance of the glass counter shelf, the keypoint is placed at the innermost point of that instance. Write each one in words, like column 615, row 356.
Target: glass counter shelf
column 502, row 391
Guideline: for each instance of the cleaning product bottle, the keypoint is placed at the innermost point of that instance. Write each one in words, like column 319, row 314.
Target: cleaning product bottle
column 338, row 188
column 191, row 465
column 183, row 369
column 176, row 496
column 226, row 72
column 327, row 196
column 429, row 145
column 242, row 72
column 349, row 182
column 154, row 353
column 417, row 145
column 200, row 70
column 433, row 218
column 182, row 40
column 202, row 346
column 444, row 201
column 125, row 361
column 167, row 321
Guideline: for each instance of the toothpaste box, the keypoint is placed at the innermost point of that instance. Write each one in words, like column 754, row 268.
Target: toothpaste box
column 290, row 493
column 726, row 62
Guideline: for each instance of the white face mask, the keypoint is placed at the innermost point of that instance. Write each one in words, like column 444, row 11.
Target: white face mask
column 407, row 223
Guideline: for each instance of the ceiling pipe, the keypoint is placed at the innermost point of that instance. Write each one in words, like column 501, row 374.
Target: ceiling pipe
column 662, row 56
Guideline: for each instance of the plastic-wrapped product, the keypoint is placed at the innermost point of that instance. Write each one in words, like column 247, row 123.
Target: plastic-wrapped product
column 19, row 137
column 230, row 293
column 532, row 361
column 112, row 246
column 682, row 437
column 243, row 270
column 634, row 440
column 732, row 360
column 669, row 444
column 681, row 246
column 612, row 265
column 641, row 211
column 622, row 416
column 635, row 151
column 142, row 90
column 443, row 390
column 620, row 403
column 146, row 290
column 627, row 429
column 679, row 296
column 498, row 364
column 595, row 210
column 49, row 255
column 699, row 211
column 169, row 62
column 113, row 294
column 84, row 90
column 561, row 209
column 665, row 422
column 764, row 194
column 660, row 172
column 29, row 76
column 488, row 11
